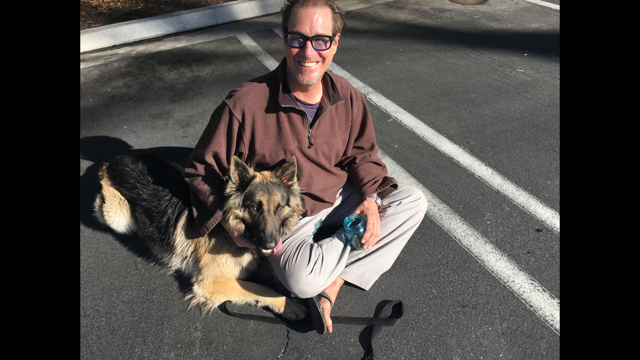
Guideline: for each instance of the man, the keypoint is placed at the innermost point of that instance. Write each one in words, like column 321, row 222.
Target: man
column 300, row 109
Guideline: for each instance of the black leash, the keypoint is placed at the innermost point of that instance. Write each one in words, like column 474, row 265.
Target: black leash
column 382, row 319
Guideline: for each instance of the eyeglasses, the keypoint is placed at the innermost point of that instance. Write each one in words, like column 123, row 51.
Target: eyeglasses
column 319, row 42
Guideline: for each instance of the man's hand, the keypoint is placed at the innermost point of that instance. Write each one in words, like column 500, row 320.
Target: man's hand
column 369, row 210
column 240, row 239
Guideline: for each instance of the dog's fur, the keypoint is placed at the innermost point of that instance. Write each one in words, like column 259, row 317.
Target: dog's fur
column 147, row 195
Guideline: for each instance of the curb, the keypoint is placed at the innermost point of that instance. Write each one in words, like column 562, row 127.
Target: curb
column 136, row 30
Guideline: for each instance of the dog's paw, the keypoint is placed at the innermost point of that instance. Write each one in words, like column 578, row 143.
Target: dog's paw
column 294, row 309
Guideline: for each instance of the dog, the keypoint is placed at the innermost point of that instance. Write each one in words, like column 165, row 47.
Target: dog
column 148, row 195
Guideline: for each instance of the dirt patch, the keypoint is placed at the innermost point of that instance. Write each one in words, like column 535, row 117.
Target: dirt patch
column 95, row 13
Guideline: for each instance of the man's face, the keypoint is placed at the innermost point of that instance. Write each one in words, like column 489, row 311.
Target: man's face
column 306, row 64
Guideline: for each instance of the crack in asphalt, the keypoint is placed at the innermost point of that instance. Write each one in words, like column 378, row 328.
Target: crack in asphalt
column 285, row 345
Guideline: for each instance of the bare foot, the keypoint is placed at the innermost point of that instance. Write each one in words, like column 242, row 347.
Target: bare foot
column 332, row 291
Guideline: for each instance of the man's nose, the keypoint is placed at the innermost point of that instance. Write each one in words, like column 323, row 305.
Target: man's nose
column 308, row 49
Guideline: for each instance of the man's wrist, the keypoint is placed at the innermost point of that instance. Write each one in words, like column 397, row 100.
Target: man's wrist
column 375, row 198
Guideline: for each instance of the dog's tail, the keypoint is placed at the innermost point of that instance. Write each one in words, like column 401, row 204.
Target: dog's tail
column 142, row 194
column 111, row 207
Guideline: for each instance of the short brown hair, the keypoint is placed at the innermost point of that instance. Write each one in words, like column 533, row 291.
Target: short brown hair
column 338, row 23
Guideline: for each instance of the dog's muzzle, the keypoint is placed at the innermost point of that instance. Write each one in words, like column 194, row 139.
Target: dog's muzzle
column 274, row 250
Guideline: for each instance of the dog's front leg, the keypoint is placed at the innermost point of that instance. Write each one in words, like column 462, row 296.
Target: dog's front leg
column 215, row 292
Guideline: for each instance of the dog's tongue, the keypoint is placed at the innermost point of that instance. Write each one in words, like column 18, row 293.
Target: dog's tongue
column 274, row 250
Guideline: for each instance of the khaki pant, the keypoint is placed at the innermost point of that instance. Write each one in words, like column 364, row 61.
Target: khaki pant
column 306, row 267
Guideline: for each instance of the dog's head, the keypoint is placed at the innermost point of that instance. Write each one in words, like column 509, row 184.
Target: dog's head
column 264, row 205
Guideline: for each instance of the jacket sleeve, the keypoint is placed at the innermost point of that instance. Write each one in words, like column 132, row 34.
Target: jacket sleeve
column 209, row 163
column 367, row 172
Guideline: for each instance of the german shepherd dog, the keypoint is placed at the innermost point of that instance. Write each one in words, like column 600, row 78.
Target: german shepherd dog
column 148, row 195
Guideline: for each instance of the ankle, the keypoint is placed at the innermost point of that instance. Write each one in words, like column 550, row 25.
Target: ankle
column 333, row 288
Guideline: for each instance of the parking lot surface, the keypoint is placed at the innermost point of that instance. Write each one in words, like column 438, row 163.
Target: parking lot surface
column 465, row 104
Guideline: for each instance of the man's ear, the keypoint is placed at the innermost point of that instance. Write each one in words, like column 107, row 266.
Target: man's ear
column 239, row 173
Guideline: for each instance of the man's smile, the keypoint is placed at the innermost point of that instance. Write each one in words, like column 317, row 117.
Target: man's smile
column 308, row 63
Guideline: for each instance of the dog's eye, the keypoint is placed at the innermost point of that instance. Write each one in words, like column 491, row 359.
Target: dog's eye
column 254, row 208
column 279, row 209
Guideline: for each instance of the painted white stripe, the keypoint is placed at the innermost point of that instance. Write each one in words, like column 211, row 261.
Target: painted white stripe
column 544, row 3
column 532, row 293
column 524, row 200
column 257, row 51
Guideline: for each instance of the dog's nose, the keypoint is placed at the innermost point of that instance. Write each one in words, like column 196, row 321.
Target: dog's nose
column 267, row 245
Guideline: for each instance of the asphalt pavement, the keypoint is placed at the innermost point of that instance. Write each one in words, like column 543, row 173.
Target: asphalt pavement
column 485, row 78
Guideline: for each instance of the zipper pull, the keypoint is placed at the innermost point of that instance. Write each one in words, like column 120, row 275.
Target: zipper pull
column 310, row 143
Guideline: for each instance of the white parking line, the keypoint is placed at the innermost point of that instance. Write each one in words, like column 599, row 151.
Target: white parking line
column 257, row 51
column 517, row 195
column 524, row 200
column 544, row 3
column 534, row 295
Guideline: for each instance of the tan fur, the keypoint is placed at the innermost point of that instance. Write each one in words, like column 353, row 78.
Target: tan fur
column 219, row 268
column 211, row 294
column 215, row 263
column 182, row 258
column 112, row 209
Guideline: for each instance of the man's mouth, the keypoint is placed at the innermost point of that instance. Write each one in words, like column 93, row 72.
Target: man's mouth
column 308, row 63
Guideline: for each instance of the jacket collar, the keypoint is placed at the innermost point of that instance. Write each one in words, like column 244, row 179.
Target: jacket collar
column 330, row 95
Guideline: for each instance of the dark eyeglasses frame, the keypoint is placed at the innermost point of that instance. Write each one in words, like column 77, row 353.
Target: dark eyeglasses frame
column 307, row 38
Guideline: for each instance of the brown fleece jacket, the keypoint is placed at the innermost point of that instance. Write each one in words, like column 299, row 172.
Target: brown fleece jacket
column 261, row 123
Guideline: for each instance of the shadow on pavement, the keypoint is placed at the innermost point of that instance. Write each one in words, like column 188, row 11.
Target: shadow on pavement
column 99, row 150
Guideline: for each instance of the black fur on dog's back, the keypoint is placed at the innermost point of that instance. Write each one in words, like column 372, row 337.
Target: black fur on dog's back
column 158, row 196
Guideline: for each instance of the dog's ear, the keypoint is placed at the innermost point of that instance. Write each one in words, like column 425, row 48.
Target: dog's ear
column 288, row 172
column 239, row 173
